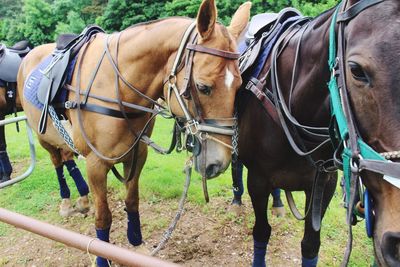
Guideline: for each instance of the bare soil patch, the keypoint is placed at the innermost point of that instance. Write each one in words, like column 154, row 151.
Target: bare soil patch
column 211, row 235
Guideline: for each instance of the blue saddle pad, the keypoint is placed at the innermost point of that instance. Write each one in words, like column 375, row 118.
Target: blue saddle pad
column 32, row 83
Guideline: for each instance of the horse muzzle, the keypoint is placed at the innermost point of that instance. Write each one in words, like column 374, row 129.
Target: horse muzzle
column 390, row 248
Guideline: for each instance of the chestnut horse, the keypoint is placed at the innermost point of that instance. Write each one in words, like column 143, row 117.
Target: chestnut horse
column 11, row 103
column 291, row 91
column 134, row 68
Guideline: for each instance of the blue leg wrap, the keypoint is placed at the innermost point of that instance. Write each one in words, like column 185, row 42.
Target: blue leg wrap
column 277, row 202
column 5, row 164
column 64, row 190
column 134, row 233
column 76, row 174
column 103, row 235
column 309, row 262
column 260, row 249
column 238, row 184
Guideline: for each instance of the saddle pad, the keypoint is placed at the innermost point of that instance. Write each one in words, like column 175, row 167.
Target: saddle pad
column 32, row 83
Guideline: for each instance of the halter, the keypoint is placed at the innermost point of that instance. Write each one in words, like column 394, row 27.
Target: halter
column 356, row 155
column 197, row 126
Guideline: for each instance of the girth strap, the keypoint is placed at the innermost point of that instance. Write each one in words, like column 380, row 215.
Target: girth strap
column 110, row 112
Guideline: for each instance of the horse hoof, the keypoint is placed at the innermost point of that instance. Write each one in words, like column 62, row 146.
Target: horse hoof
column 66, row 208
column 142, row 249
column 82, row 204
column 236, row 208
column 278, row 211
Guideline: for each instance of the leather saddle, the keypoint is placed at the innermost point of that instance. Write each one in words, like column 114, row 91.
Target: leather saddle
column 262, row 29
column 10, row 59
column 55, row 75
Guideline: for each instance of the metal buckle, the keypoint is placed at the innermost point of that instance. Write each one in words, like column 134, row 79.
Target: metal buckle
column 70, row 105
column 190, row 125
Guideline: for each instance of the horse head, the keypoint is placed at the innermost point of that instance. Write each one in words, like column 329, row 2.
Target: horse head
column 371, row 64
column 209, row 92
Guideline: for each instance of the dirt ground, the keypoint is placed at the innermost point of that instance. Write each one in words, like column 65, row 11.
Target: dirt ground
column 211, row 235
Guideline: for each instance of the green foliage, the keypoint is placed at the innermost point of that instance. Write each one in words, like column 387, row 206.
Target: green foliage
column 312, row 9
column 75, row 24
column 40, row 21
column 120, row 14
column 10, row 8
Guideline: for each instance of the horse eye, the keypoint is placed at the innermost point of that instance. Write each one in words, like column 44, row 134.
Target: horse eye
column 204, row 89
column 357, row 72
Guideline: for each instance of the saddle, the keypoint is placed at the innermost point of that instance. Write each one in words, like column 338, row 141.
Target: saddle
column 22, row 48
column 263, row 30
column 9, row 63
column 55, row 74
column 10, row 60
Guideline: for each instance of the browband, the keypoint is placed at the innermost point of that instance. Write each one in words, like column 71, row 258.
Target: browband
column 213, row 51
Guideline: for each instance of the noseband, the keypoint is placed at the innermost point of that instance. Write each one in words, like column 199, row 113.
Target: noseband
column 197, row 125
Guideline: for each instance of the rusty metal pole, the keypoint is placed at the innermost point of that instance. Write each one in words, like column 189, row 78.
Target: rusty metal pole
column 79, row 241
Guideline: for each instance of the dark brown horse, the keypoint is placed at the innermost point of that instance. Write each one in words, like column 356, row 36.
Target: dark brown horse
column 294, row 79
column 193, row 64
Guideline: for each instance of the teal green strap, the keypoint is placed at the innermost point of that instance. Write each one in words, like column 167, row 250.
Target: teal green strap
column 337, row 110
column 332, row 40
column 346, row 155
column 367, row 152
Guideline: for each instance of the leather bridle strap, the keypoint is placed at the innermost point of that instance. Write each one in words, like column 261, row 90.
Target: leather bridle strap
column 213, row 51
column 355, row 9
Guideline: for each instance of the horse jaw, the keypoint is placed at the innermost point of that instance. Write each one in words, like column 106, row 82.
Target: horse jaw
column 215, row 160
column 387, row 228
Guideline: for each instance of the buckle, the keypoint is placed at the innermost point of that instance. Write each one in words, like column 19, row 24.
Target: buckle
column 70, row 105
column 192, row 124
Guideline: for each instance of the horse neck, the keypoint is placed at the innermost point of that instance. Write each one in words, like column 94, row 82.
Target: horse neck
column 310, row 98
column 147, row 52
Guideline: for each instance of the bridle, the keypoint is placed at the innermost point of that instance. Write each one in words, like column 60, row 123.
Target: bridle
column 353, row 154
column 196, row 126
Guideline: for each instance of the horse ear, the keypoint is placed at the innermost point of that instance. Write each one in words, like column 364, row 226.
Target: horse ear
column 240, row 20
column 206, row 18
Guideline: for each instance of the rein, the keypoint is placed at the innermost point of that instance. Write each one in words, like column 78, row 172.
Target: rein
column 356, row 155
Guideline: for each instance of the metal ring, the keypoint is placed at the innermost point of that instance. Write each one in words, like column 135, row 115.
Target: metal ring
column 172, row 79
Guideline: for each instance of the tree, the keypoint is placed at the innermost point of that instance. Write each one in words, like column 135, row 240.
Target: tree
column 75, row 24
column 38, row 22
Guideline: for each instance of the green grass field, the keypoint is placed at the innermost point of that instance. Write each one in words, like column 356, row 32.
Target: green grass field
column 162, row 178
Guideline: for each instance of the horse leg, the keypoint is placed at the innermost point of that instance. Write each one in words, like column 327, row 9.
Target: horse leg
column 82, row 204
column 237, row 181
column 259, row 193
column 277, row 208
column 132, row 198
column 97, row 173
column 66, row 208
column 5, row 164
column 311, row 241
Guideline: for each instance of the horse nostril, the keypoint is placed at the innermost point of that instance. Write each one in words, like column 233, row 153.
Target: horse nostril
column 212, row 170
column 391, row 248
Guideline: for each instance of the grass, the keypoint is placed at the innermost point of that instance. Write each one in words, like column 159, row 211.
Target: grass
column 162, row 178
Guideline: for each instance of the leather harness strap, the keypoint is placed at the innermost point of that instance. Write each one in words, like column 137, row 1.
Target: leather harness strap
column 213, row 51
